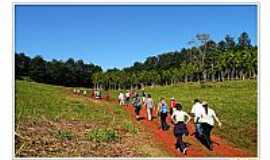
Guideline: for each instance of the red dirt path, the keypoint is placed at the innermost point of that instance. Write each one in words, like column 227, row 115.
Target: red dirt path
column 195, row 149
column 221, row 148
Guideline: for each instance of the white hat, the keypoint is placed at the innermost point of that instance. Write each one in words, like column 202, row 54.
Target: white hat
column 172, row 98
column 204, row 103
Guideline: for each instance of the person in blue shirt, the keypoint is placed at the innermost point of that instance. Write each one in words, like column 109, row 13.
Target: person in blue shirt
column 137, row 105
column 163, row 112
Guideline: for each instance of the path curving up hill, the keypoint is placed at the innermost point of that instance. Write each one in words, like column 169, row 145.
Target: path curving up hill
column 221, row 147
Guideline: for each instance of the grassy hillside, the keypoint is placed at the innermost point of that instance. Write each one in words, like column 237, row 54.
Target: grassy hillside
column 51, row 121
column 235, row 103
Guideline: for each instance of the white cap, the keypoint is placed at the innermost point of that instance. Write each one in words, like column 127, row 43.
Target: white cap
column 204, row 103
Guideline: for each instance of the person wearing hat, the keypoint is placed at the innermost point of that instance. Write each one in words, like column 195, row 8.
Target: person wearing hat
column 162, row 112
column 196, row 111
column 207, row 121
column 172, row 105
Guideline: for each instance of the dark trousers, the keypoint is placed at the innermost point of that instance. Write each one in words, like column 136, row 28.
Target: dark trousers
column 206, row 130
column 127, row 100
column 179, row 143
column 137, row 110
column 163, row 122
column 180, row 129
column 198, row 130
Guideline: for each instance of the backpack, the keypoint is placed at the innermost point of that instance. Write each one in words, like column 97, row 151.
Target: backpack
column 137, row 102
column 163, row 108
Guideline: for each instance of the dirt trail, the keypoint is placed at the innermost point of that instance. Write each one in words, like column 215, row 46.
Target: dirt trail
column 162, row 136
column 220, row 148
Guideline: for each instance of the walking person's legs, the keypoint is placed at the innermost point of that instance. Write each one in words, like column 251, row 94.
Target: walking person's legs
column 178, row 141
column 206, row 130
column 149, row 115
column 198, row 130
column 127, row 101
column 139, row 109
column 163, row 121
column 181, row 144
column 179, row 131
column 137, row 112
column 208, row 137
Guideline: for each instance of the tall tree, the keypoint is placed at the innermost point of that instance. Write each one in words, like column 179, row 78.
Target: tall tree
column 38, row 70
column 229, row 41
column 22, row 65
column 203, row 38
column 244, row 40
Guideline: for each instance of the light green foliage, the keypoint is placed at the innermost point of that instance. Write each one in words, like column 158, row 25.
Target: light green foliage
column 235, row 103
column 128, row 126
column 77, row 119
column 34, row 100
column 102, row 135
column 64, row 135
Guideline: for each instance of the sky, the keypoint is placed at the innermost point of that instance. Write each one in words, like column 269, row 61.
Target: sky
column 118, row 36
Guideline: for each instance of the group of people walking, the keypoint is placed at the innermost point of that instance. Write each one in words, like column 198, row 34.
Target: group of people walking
column 203, row 116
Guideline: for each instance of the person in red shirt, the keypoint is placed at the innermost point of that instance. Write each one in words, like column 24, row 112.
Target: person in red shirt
column 172, row 105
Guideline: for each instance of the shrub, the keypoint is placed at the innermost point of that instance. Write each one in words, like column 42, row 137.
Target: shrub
column 64, row 135
column 128, row 126
column 102, row 135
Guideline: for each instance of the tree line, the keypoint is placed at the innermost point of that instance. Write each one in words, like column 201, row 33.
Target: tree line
column 205, row 60
column 57, row 72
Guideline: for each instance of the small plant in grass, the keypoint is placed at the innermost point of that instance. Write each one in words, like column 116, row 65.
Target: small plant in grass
column 128, row 126
column 64, row 135
column 102, row 135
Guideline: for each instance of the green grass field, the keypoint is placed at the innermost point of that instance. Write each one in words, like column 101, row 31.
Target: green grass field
column 235, row 103
column 52, row 122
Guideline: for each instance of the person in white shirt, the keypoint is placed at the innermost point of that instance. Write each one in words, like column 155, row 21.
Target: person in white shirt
column 207, row 124
column 149, row 106
column 196, row 111
column 78, row 91
column 127, row 97
column 121, row 99
column 180, row 119
column 143, row 96
column 84, row 92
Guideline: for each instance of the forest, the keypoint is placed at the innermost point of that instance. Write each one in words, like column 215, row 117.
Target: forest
column 204, row 60
column 57, row 72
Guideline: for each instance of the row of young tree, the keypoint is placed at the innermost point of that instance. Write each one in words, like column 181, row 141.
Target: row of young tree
column 205, row 60
column 57, row 72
